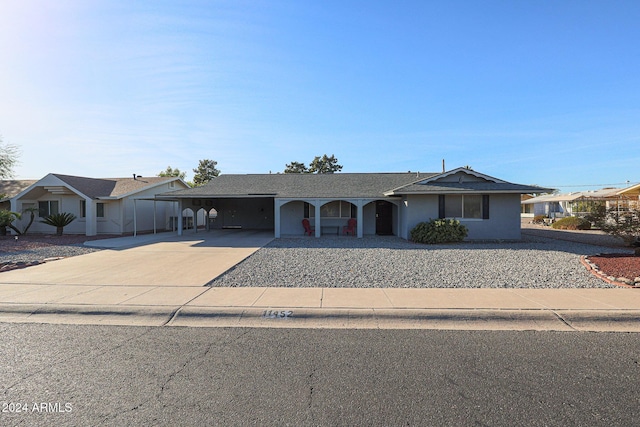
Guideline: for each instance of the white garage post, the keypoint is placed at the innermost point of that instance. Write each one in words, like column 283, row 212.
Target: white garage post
column 135, row 218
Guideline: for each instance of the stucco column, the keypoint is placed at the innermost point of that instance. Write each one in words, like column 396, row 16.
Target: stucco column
column 195, row 218
column 91, row 226
column 276, row 218
column 316, row 205
column 359, row 218
column 179, row 217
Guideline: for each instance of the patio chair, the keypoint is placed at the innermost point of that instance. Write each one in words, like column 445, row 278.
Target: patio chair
column 308, row 230
column 350, row 228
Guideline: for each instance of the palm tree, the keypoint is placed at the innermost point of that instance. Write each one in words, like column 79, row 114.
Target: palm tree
column 59, row 220
column 6, row 219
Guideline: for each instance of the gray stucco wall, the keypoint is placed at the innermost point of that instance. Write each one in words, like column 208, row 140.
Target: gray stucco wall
column 503, row 222
column 291, row 215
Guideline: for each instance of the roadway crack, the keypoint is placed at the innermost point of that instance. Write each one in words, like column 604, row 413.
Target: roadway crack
column 311, row 380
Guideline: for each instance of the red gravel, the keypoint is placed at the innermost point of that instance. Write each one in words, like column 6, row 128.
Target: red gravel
column 618, row 265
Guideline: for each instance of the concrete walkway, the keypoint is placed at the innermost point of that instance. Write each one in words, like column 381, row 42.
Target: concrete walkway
column 166, row 288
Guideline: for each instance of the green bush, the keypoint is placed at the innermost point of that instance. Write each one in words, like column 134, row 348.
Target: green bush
column 439, row 231
column 572, row 223
column 59, row 220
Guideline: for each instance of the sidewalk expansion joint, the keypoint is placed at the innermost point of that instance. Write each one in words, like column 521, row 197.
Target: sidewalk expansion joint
column 563, row 320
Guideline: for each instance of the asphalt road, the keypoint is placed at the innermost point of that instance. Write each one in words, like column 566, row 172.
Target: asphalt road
column 117, row 376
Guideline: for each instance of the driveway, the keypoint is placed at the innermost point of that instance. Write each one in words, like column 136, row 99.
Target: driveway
column 161, row 260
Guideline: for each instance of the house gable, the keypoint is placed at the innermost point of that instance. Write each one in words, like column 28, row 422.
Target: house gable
column 463, row 181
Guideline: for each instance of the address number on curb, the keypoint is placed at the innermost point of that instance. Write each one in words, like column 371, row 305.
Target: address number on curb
column 277, row 314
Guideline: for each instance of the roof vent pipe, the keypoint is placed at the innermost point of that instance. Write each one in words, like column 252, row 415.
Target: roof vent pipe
column 443, row 170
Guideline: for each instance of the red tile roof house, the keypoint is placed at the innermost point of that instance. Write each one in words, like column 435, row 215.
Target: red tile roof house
column 381, row 203
column 101, row 205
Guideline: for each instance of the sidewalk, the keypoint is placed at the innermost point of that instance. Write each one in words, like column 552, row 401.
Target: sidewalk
column 467, row 309
column 96, row 289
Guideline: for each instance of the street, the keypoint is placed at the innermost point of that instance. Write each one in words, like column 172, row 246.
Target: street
column 115, row 376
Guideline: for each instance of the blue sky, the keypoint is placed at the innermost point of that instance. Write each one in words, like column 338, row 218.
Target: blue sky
column 533, row 92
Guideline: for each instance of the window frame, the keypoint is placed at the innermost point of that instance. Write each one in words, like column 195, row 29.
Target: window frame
column 483, row 211
column 48, row 209
column 346, row 210
column 100, row 209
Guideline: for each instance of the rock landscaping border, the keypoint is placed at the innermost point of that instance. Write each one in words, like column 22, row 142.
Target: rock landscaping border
column 619, row 281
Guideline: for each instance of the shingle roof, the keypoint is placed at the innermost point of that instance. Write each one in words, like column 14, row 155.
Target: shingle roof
column 468, row 187
column 110, row 187
column 338, row 185
column 11, row 187
column 465, row 181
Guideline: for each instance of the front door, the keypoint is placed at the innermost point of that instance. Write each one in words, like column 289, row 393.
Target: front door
column 384, row 217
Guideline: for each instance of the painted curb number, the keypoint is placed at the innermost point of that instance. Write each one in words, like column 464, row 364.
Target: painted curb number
column 277, row 314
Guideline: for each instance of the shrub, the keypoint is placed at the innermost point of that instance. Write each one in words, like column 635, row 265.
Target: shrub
column 620, row 223
column 59, row 220
column 572, row 223
column 439, row 231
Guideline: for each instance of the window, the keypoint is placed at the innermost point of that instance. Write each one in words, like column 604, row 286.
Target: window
column 337, row 209
column 464, row 206
column 47, row 207
column 99, row 209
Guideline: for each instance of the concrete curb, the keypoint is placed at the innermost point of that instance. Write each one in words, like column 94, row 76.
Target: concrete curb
column 249, row 317
column 87, row 314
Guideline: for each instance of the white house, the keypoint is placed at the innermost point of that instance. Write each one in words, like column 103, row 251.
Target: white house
column 575, row 204
column 101, row 205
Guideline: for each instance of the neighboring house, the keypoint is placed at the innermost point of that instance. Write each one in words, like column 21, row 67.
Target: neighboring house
column 101, row 205
column 526, row 209
column 631, row 195
column 577, row 203
column 381, row 203
column 10, row 188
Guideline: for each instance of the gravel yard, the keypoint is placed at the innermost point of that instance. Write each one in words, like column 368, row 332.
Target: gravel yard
column 390, row 262
column 36, row 248
column 543, row 259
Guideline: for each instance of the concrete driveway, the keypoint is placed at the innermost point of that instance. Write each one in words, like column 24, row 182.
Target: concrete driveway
column 153, row 260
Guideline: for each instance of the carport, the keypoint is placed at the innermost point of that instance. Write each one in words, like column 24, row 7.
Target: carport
column 250, row 212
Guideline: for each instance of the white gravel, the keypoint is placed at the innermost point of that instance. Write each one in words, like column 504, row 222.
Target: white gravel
column 391, row 262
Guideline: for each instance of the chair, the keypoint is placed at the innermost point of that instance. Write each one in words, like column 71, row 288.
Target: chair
column 308, row 231
column 350, row 228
